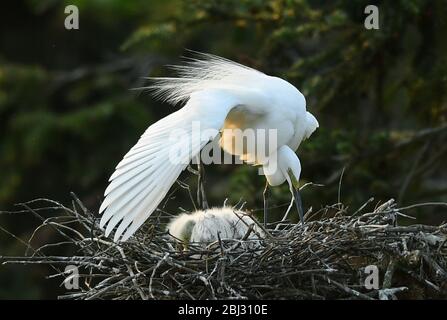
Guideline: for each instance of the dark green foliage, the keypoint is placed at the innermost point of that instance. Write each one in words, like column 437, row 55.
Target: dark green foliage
column 67, row 115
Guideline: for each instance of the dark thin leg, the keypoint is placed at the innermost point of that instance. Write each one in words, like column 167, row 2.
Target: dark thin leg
column 299, row 204
column 201, row 196
column 265, row 195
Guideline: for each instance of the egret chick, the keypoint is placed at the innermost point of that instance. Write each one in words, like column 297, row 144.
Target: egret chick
column 206, row 226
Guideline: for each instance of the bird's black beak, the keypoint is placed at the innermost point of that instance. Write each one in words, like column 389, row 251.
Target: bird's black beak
column 299, row 204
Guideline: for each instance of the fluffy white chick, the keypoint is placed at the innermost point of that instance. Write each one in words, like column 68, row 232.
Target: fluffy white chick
column 203, row 226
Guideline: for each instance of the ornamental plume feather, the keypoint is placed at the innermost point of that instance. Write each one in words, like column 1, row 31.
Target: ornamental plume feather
column 207, row 71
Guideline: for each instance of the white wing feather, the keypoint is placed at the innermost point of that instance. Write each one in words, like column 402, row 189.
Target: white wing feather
column 144, row 176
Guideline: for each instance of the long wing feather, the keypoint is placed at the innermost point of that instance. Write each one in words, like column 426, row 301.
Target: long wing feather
column 146, row 173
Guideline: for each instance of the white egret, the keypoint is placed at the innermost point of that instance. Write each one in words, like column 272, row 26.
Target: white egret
column 222, row 95
column 208, row 225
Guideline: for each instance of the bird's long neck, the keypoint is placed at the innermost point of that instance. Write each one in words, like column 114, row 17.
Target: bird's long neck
column 283, row 165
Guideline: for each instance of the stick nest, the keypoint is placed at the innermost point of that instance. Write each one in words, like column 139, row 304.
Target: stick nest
column 324, row 259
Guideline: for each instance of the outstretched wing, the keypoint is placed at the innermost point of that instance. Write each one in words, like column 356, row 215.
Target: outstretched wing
column 146, row 173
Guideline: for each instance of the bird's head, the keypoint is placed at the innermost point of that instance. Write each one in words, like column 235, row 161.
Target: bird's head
column 285, row 166
column 181, row 228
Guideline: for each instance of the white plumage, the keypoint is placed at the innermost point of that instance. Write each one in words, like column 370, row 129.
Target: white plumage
column 219, row 94
column 205, row 226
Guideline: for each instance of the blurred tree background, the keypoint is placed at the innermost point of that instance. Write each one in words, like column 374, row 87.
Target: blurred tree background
column 67, row 114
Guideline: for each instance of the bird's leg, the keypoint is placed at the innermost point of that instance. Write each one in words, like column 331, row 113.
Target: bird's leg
column 201, row 196
column 199, row 182
column 265, row 195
